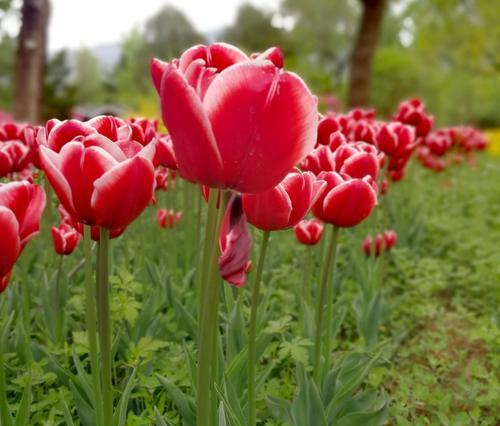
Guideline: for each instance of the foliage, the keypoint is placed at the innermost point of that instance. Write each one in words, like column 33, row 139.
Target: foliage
column 437, row 363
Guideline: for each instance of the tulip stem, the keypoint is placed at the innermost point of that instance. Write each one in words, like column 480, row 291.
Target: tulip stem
column 252, row 333
column 322, row 299
column 104, row 316
column 208, row 315
column 306, row 277
column 58, row 304
column 91, row 324
column 5, row 418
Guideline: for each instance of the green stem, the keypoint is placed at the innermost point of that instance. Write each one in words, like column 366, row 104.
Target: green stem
column 306, row 277
column 208, row 315
column 58, row 304
column 329, row 306
column 104, row 324
column 91, row 324
column 322, row 300
column 252, row 333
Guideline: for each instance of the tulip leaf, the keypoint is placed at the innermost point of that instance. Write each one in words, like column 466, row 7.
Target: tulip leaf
column 307, row 407
column 23, row 412
column 120, row 416
column 160, row 421
column 184, row 403
column 66, row 413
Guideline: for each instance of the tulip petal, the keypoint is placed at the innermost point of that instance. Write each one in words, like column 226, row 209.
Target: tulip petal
column 66, row 131
column 10, row 244
column 196, row 150
column 259, row 114
column 51, row 165
column 269, row 210
column 235, row 243
column 123, row 192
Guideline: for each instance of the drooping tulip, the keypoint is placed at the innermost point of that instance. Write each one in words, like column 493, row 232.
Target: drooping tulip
column 21, row 207
column 286, row 204
column 235, row 244
column 309, row 232
column 235, row 122
column 99, row 182
column 345, row 202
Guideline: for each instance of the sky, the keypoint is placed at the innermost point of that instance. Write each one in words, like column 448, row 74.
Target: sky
column 88, row 23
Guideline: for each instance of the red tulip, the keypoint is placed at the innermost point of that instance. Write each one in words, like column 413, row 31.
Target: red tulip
column 235, row 123
column 413, row 112
column 383, row 242
column 284, row 205
column 21, row 207
column 235, row 244
column 345, row 202
column 309, row 232
column 319, row 160
column 395, row 139
column 326, row 127
column 368, row 244
column 99, row 182
column 356, row 160
column 390, row 239
column 65, row 239
column 168, row 218
column 15, row 154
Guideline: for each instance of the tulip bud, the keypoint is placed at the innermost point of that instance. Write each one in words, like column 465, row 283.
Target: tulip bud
column 309, row 232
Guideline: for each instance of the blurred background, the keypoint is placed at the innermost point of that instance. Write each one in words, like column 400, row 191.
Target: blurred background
column 61, row 58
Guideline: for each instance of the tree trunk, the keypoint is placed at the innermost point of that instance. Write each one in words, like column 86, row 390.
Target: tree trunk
column 30, row 60
column 364, row 51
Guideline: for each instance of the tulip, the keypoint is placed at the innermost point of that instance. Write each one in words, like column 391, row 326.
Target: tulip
column 413, row 112
column 345, row 202
column 395, row 139
column 168, row 218
column 15, row 154
column 383, row 242
column 368, row 244
column 65, row 239
column 309, row 232
column 231, row 118
column 327, row 126
column 390, row 238
column 99, row 182
column 235, row 244
column 21, row 207
column 285, row 205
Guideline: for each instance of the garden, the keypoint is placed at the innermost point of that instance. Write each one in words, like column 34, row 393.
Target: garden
column 243, row 249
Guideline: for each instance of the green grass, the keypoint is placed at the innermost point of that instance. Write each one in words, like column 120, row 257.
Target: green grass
column 442, row 292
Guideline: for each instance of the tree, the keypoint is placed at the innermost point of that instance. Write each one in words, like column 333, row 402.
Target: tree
column 169, row 32
column 89, row 77
column 253, row 30
column 30, row 60
column 364, row 51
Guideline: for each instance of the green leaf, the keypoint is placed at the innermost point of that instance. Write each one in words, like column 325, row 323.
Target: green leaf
column 23, row 412
column 160, row 421
column 85, row 411
column 120, row 416
column 66, row 413
column 184, row 403
column 376, row 417
column 307, row 407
